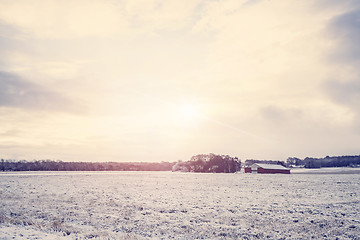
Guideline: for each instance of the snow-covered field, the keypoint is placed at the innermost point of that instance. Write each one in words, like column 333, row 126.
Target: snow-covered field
column 166, row 205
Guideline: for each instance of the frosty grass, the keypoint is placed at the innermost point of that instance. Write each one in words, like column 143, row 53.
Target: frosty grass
column 166, row 205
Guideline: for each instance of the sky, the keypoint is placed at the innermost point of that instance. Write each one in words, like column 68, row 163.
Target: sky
column 156, row 80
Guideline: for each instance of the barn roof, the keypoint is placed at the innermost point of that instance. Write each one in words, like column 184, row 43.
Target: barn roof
column 270, row 166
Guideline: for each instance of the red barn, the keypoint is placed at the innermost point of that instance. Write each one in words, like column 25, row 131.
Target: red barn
column 267, row 168
column 247, row 169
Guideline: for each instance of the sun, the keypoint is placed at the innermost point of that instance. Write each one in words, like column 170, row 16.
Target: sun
column 189, row 112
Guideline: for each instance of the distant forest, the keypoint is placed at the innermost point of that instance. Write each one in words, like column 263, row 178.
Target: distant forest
column 198, row 163
column 309, row 162
column 337, row 161
column 50, row 165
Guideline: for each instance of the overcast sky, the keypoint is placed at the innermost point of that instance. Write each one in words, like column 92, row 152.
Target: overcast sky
column 156, row 80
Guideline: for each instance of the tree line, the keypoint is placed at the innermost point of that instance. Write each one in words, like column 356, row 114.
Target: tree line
column 198, row 163
column 212, row 163
column 51, row 165
column 335, row 161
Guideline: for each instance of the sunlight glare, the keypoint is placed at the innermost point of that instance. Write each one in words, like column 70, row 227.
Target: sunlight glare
column 189, row 112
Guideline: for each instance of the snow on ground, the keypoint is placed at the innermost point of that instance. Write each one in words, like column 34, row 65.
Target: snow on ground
column 166, row 205
column 24, row 232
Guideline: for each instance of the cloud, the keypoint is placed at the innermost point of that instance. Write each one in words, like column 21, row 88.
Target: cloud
column 16, row 92
column 345, row 30
column 278, row 115
column 160, row 14
column 347, row 93
column 251, row 2
column 343, row 87
column 62, row 19
column 10, row 133
column 256, row 66
column 69, row 19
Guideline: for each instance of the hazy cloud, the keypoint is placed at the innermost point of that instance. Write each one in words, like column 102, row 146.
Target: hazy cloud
column 345, row 30
column 69, row 19
column 277, row 114
column 252, row 67
column 344, row 88
column 17, row 92
column 251, row 2
column 10, row 133
column 62, row 19
column 347, row 93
